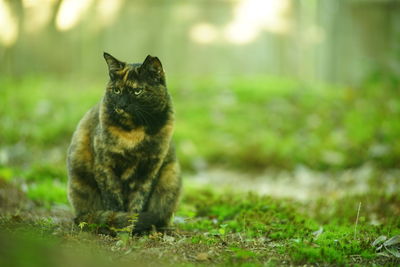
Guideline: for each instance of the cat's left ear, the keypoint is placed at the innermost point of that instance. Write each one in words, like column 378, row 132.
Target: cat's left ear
column 152, row 69
column 113, row 64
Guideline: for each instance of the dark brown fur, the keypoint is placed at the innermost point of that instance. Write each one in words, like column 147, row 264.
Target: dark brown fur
column 121, row 161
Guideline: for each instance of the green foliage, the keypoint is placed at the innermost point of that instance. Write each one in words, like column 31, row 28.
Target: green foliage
column 128, row 229
column 43, row 183
column 335, row 245
column 281, row 223
column 48, row 191
column 46, row 184
column 41, row 111
column 39, row 173
column 259, row 122
column 249, row 123
column 257, row 216
column 6, row 173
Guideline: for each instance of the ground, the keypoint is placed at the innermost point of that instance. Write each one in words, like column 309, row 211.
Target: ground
column 220, row 227
column 276, row 172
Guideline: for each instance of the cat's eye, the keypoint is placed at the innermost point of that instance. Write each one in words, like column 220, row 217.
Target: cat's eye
column 116, row 90
column 137, row 91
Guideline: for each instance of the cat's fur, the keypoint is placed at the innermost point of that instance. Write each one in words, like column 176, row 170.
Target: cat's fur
column 121, row 161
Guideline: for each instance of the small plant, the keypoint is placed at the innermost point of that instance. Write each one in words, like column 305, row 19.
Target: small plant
column 222, row 229
column 129, row 228
column 82, row 225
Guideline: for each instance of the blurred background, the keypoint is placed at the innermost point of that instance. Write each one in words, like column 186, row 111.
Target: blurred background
column 333, row 41
column 275, row 89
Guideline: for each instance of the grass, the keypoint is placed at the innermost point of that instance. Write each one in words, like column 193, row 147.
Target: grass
column 279, row 222
column 214, row 228
column 246, row 123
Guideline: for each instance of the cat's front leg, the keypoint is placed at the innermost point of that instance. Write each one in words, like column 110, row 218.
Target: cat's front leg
column 140, row 183
column 140, row 188
column 110, row 189
column 137, row 205
column 163, row 200
column 138, row 195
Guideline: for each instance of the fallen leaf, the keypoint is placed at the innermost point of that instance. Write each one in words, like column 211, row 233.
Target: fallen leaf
column 392, row 245
column 317, row 233
column 379, row 240
column 394, row 251
column 392, row 241
column 383, row 254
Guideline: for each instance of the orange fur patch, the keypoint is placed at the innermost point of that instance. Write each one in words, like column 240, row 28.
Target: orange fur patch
column 168, row 128
column 132, row 84
column 169, row 178
column 83, row 149
column 128, row 138
column 124, row 72
column 128, row 173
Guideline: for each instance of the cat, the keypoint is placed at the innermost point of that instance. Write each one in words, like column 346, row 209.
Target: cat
column 121, row 161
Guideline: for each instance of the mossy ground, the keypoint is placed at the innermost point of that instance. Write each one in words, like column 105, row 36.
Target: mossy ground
column 211, row 227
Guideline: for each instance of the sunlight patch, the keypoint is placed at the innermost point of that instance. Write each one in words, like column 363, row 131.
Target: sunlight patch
column 70, row 13
column 253, row 16
column 204, row 33
column 8, row 25
column 38, row 14
column 108, row 10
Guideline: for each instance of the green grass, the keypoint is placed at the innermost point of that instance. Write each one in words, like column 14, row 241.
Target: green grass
column 242, row 123
column 247, row 123
column 223, row 229
column 294, row 233
column 43, row 183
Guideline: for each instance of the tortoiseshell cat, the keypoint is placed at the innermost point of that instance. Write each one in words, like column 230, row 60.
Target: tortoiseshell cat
column 121, row 160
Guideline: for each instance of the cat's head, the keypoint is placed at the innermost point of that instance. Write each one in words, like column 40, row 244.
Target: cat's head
column 136, row 93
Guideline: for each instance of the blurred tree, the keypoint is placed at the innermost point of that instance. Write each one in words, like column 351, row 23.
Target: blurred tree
column 337, row 41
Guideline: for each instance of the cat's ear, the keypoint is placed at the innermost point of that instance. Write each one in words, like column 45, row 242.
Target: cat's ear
column 152, row 69
column 113, row 64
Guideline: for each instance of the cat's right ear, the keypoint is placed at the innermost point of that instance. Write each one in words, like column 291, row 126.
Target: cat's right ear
column 113, row 64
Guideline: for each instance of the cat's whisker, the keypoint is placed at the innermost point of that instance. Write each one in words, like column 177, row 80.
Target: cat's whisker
column 142, row 117
column 149, row 113
column 149, row 116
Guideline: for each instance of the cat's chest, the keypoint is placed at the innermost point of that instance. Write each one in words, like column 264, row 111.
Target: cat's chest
column 131, row 154
column 122, row 141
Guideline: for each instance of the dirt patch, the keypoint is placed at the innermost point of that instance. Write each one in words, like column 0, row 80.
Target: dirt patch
column 302, row 184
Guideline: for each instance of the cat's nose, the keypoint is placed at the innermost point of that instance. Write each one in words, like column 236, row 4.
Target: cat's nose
column 124, row 103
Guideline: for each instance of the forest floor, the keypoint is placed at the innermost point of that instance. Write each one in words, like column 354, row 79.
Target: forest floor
column 227, row 219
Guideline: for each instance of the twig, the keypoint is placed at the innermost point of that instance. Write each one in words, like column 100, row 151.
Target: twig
column 358, row 215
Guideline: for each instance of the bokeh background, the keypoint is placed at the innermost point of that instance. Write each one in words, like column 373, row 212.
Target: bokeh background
column 333, row 41
column 278, row 88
